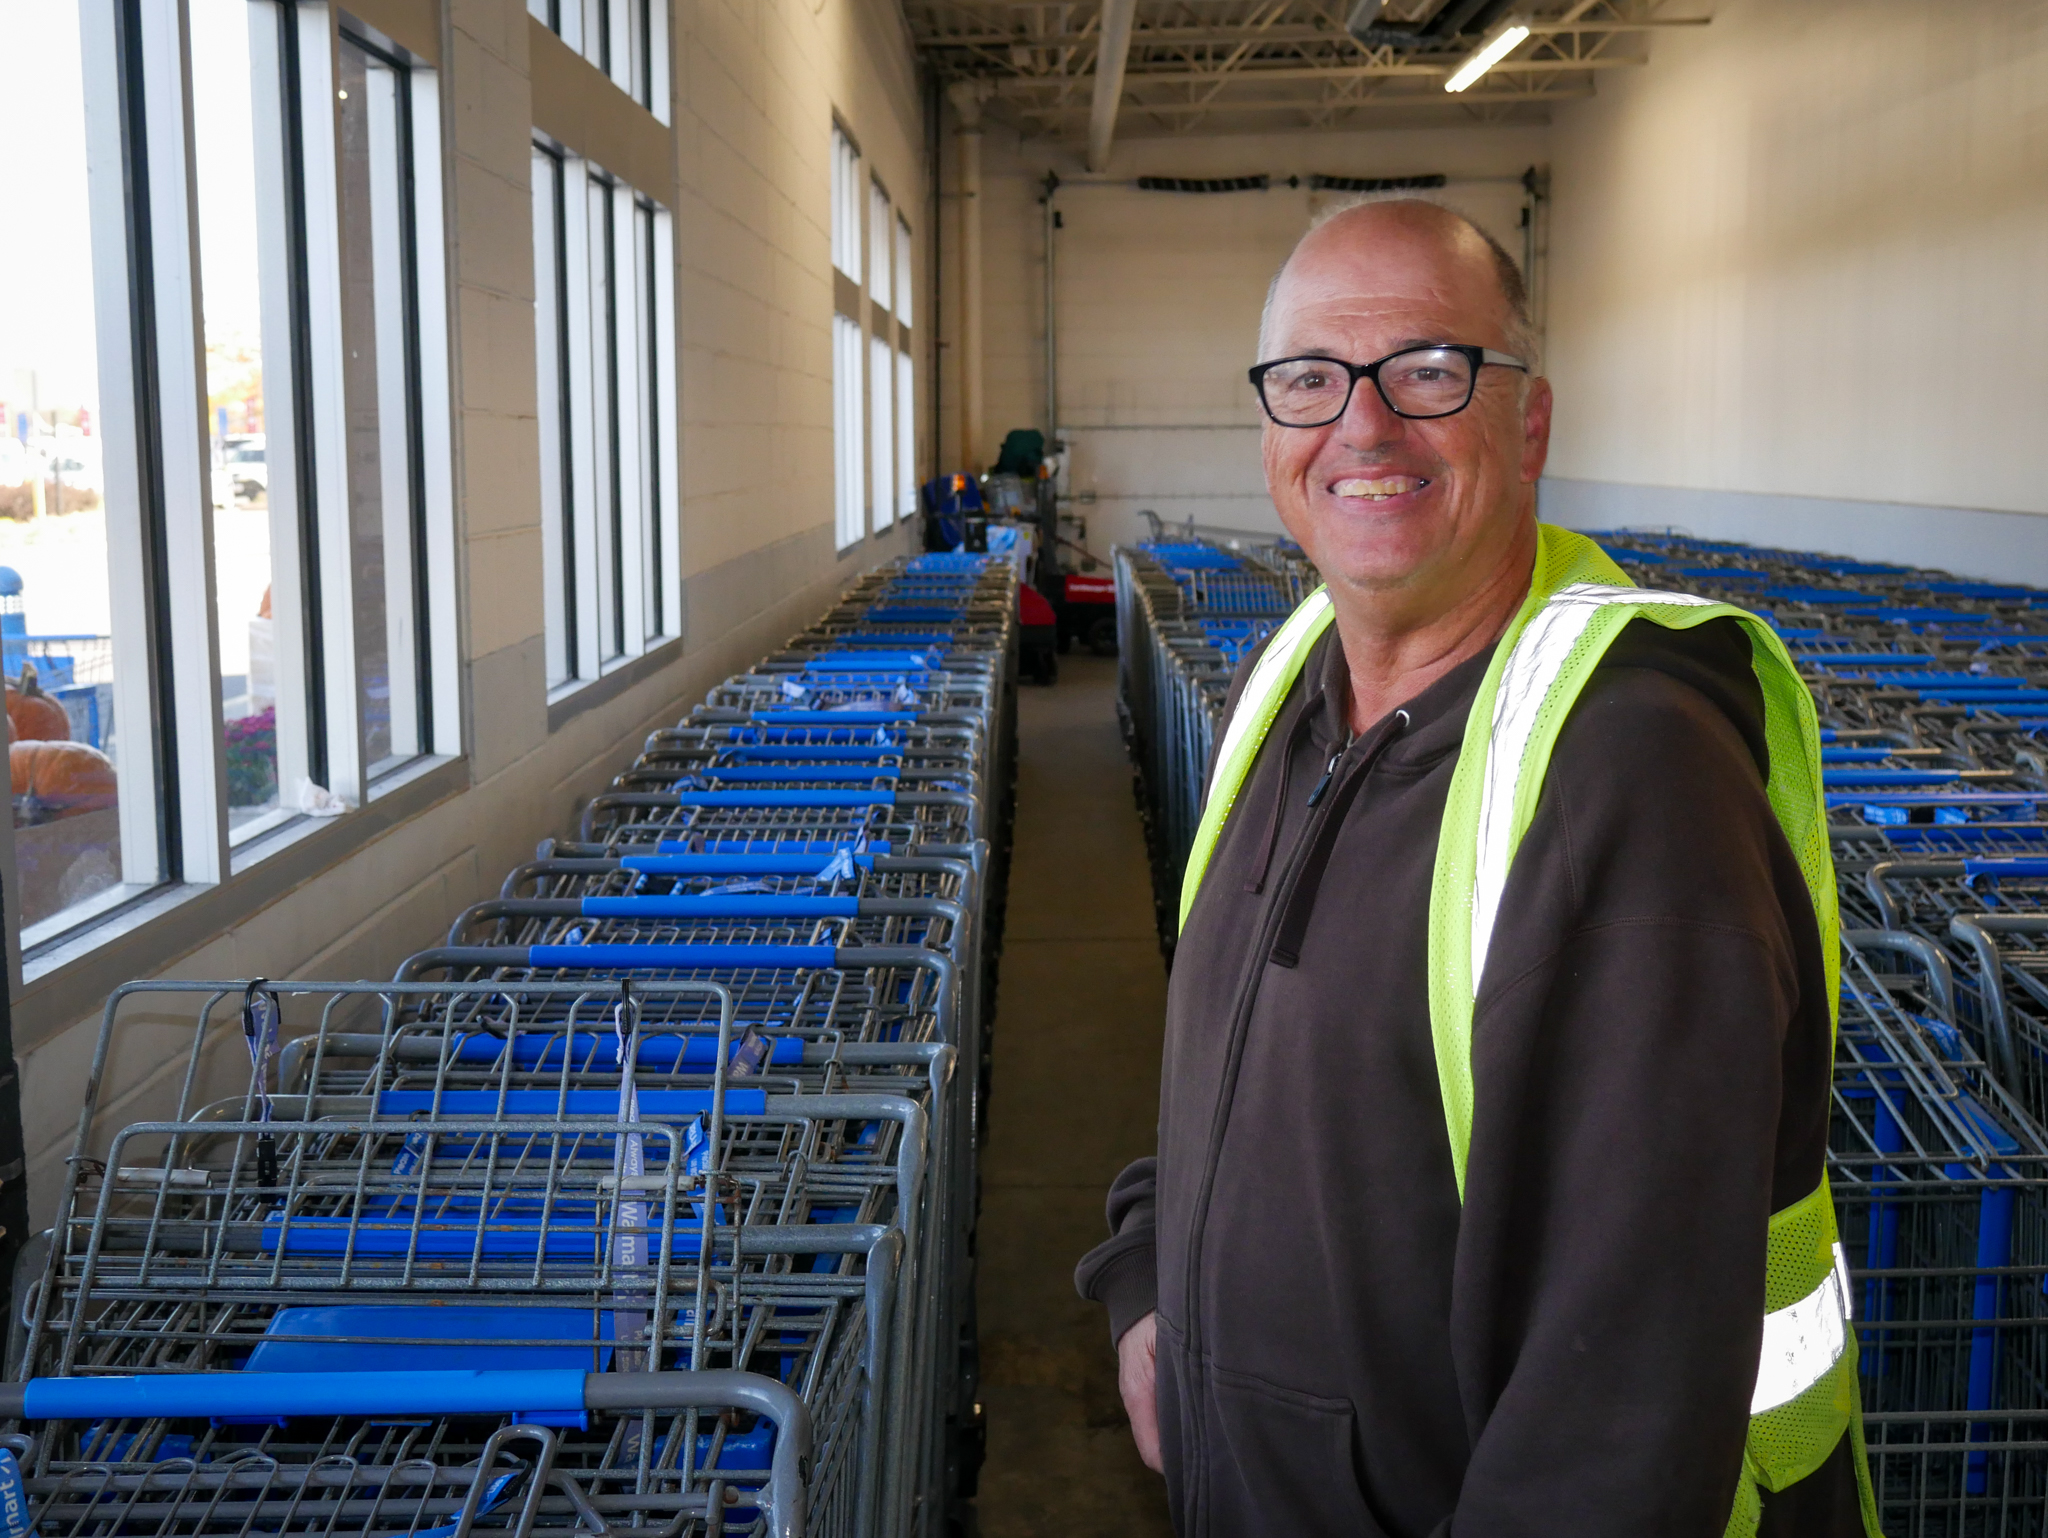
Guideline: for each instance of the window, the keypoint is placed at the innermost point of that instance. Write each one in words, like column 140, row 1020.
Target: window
column 71, row 514
column 906, row 381
column 263, row 706
column 906, row 434
column 849, row 478
column 845, row 205
column 604, row 286
column 881, row 355
column 881, row 229
column 903, row 283
column 212, row 383
column 882, row 428
column 386, row 502
column 627, row 39
column 848, row 471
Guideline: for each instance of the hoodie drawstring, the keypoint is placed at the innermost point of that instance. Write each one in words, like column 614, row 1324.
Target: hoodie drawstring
column 1300, row 729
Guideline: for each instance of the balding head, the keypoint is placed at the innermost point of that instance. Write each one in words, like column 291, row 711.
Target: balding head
column 1351, row 233
column 1409, row 517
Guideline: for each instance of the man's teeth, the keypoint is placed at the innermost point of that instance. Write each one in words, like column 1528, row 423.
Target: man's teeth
column 1380, row 490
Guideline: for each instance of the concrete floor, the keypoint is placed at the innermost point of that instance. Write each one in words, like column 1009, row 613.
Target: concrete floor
column 1075, row 1097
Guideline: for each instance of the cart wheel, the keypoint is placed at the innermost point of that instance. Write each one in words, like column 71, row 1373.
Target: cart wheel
column 1102, row 636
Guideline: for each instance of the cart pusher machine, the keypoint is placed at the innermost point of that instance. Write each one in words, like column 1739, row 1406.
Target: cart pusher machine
column 705, row 1129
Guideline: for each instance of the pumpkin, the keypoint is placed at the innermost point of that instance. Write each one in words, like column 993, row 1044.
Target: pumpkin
column 61, row 779
column 33, row 716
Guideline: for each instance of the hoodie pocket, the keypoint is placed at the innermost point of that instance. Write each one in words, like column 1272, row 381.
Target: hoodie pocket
column 1280, row 1461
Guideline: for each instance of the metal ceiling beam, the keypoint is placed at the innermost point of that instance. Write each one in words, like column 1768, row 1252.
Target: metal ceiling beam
column 1110, row 59
column 1147, row 37
column 1031, row 85
column 1339, row 104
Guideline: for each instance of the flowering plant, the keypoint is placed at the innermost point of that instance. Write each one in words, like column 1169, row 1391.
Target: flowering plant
column 252, row 758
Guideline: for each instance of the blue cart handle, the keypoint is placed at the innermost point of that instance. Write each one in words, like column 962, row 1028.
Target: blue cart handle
column 563, row 1390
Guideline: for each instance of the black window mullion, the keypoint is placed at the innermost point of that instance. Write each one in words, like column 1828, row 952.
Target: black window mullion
column 611, row 371
column 300, row 369
column 656, row 587
column 565, row 412
column 144, row 364
column 415, row 413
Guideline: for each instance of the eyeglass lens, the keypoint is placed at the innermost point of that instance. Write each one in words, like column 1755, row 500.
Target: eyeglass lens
column 1427, row 382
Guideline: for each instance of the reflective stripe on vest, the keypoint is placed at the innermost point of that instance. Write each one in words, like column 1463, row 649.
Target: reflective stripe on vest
column 1803, row 1340
column 1805, row 1396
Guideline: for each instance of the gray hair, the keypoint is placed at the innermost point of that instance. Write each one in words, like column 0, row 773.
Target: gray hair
column 1521, row 330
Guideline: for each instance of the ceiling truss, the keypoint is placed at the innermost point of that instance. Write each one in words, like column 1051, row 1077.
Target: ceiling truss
column 1213, row 66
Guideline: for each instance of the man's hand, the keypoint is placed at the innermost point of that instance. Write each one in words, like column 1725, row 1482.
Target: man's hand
column 1137, row 1379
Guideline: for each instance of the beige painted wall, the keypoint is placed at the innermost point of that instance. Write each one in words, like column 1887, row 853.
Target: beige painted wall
column 1803, row 254
column 757, row 83
column 1158, row 299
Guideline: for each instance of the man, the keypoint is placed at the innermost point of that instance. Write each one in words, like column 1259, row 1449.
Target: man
column 1482, row 1163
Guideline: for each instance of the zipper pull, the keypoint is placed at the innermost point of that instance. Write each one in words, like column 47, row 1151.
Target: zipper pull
column 1329, row 771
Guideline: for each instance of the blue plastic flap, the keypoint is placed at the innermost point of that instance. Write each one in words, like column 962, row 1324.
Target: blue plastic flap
column 734, row 864
column 1833, row 778
column 627, row 958
column 1959, row 799
column 307, row 1393
column 2008, row 867
column 1865, row 659
column 785, row 798
column 869, row 661
column 822, row 848
column 415, row 1338
column 655, row 1104
column 913, row 614
column 1998, row 697
column 663, row 1052
column 740, row 907
column 832, row 717
column 768, row 774
column 806, row 752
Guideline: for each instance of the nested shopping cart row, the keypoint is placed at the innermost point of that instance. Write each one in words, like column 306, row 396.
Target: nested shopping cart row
column 642, row 1204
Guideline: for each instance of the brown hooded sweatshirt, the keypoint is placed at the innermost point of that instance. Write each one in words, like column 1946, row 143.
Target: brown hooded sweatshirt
column 1343, row 1348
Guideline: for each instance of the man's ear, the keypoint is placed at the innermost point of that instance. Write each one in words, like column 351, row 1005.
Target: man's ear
column 1535, row 431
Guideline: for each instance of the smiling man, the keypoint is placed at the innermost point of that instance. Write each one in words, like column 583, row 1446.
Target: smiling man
column 1489, row 1198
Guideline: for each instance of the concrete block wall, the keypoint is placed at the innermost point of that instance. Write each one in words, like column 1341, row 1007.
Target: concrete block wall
column 1796, row 283
column 744, row 168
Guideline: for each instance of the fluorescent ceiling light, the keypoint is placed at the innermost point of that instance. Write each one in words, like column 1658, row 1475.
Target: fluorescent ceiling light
column 1491, row 52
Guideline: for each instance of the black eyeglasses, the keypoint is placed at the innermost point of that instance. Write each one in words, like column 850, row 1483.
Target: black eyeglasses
column 1416, row 382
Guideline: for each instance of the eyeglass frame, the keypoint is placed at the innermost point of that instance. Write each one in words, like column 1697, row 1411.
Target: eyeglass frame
column 1478, row 357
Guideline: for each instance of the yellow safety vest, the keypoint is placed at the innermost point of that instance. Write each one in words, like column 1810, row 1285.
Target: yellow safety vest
column 1806, row 1397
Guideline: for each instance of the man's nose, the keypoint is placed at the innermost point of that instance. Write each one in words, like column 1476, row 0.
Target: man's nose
column 1368, row 423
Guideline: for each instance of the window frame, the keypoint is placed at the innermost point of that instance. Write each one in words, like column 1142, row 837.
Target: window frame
column 627, row 41
column 607, row 377
column 145, row 238
column 846, row 196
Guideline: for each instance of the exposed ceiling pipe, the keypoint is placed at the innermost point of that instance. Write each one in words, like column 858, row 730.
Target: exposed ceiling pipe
column 1113, row 52
column 1440, row 31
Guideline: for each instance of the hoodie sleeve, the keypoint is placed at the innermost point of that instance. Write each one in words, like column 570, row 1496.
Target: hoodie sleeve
column 1650, row 1057
column 1122, row 1272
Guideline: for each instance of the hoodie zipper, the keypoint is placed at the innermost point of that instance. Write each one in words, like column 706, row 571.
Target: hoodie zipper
column 1259, row 958
column 1330, row 769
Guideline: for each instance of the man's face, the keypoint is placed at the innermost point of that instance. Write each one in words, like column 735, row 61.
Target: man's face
column 1381, row 502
